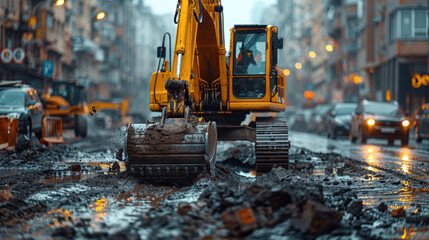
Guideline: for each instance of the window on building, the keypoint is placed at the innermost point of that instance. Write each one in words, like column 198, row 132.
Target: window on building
column 408, row 24
column 49, row 21
column 80, row 7
column 351, row 28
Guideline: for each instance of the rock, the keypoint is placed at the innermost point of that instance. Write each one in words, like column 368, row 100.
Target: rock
column 115, row 167
column 423, row 219
column 355, row 208
column 382, row 207
column 75, row 168
column 119, row 154
column 316, row 219
column 239, row 221
column 399, row 213
column 184, row 209
column 275, row 175
column 23, row 143
column 5, row 196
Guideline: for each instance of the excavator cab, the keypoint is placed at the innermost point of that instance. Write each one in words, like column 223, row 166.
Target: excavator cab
column 253, row 64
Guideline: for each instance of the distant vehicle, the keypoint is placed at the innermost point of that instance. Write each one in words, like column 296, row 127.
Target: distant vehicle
column 289, row 113
column 317, row 122
column 421, row 123
column 383, row 120
column 22, row 101
column 300, row 120
column 339, row 117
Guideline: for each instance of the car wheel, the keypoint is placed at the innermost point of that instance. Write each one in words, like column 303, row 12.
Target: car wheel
column 419, row 139
column 334, row 134
column 28, row 129
column 404, row 142
column 351, row 137
column 362, row 137
column 390, row 142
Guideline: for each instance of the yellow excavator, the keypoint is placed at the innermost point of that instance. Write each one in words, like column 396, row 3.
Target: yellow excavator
column 67, row 100
column 206, row 95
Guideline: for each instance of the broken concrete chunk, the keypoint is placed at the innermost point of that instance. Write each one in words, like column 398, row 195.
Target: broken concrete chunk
column 399, row 213
column 316, row 219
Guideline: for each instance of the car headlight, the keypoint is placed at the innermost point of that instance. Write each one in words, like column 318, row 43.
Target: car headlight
column 405, row 123
column 370, row 122
column 13, row 115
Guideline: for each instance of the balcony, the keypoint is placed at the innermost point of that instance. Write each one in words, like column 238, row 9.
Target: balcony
column 82, row 44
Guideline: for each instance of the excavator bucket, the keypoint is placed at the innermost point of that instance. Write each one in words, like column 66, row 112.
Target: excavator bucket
column 172, row 150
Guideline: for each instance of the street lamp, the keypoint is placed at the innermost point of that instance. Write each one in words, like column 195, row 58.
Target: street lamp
column 312, row 54
column 286, row 72
column 329, row 48
column 298, row 66
column 100, row 15
column 60, row 2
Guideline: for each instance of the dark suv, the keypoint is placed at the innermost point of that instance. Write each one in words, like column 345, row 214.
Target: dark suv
column 421, row 123
column 379, row 120
column 22, row 102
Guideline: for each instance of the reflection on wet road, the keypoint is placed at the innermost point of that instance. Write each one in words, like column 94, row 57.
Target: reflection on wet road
column 410, row 166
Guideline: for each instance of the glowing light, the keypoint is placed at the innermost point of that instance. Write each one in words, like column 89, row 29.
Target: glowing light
column 370, row 150
column 388, row 95
column 329, row 48
column 370, row 158
column 405, row 158
column 286, row 72
column 298, row 66
column 101, row 15
column 370, row 168
column 405, row 168
column 357, row 79
column 60, row 2
column 370, row 122
column 309, row 94
column 405, row 123
column 312, row 54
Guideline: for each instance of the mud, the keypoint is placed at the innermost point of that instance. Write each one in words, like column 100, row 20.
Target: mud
column 80, row 191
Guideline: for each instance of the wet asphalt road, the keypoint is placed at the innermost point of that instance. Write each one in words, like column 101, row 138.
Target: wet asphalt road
column 96, row 202
column 412, row 161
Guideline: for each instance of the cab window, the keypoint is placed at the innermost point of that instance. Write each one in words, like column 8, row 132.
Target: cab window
column 250, row 53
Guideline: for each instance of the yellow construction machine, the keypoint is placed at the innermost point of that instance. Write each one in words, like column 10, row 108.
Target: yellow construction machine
column 117, row 109
column 206, row 96
column 67, row 100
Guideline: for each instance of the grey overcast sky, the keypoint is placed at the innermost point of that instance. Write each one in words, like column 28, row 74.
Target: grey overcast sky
column 236, row 11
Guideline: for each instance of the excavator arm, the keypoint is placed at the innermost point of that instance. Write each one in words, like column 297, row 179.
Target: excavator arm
column 180, row 147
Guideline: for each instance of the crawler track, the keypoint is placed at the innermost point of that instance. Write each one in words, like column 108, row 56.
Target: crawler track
column 272, row 144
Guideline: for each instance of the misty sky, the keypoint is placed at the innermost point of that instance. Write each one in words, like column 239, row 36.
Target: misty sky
column 236, row 11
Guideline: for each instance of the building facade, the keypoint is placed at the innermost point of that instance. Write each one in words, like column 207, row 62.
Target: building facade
column 394, row 51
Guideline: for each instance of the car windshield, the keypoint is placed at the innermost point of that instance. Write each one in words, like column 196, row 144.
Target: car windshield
column 384, row 109
column 321, row 110
column 12, row 97
column 344, row 110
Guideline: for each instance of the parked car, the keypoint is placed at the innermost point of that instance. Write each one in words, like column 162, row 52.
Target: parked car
column 382, row 120
column 421, row 123
column 339, row 117
column 317, row 122
column 300, row 120
column 22, row 102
